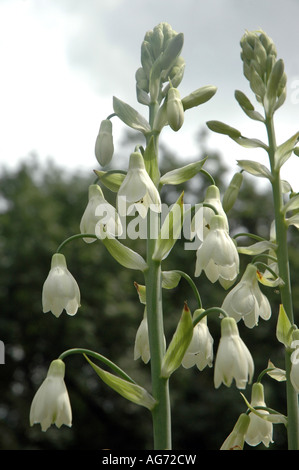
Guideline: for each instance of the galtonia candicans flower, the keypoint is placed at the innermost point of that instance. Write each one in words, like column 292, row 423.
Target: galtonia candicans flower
column 200, row 350
column 60, row 289
column 137, row 189
column 200, row 225
column 100, row 217
column 246, row 300
column 233, row 359
column 217, row 256
column 259, row 429
column 51, row 404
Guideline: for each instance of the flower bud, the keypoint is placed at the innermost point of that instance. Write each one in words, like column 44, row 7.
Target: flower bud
column 175, row 110
column 231, row 194
column 104, row 143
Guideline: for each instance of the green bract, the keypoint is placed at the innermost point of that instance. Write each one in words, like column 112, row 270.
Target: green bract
column 178, row 345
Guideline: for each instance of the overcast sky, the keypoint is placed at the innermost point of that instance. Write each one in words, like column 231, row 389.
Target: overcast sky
column 63, row 60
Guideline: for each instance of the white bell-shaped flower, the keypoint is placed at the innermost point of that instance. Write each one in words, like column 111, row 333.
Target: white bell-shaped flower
column 246, row 300
column 60, row 289
column 217, row 256
column 100, row 217
column 233, row 359
column 51, row 404
column 294, row 374
column 259, row 430
column 200, row 224
column 200, row 350
column 137, row 189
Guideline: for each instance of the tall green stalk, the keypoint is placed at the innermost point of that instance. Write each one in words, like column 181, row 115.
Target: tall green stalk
column 285, row 289
column 161, row 414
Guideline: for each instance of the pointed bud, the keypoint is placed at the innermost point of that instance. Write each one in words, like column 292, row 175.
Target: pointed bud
column 175, row 109
column 104, row 143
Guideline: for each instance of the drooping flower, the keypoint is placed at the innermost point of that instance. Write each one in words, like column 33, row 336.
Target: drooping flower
column 218, row 255
column 100, row 217
column 235, row 440
column 259, row 430
column 294, row 374
column 60, row 289
column 137, row 189
column 51, row 404
column 200, row 224
column 246, row 300
column 233, row 359
column 200, row 350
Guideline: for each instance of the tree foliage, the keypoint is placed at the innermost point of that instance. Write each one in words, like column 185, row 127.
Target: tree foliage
column 40, row 207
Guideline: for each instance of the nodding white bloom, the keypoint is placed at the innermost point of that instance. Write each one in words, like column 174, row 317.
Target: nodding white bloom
column 51, row 404
column 60, row 289
column 246, row 300
column 100, row 217
column 236, row 439
column 218, row 255
column 200, row 225
column 233, row 359
column 259, row 430
column 142, row 348
column 200, row 350
column 294, row 374
column 137, row 189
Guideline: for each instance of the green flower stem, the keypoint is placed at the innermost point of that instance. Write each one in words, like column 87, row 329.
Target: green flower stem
column 75, row 237
column 207, row 312
column 161, row 414
column 285, row 289
column 100, row 358
column 192, row 285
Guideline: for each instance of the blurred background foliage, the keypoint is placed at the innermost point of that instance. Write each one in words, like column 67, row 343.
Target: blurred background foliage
column 41, row 206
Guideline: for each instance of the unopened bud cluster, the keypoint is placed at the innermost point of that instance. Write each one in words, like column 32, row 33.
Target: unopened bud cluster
column 263, row 70
column 161, row 62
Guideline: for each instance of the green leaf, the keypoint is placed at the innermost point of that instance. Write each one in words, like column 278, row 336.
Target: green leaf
column 247, row 107
column 130, row 116
column 178, row 345
column 275, row 373
column 292, row 204
column 151, row 161
column 111, row 179
column 170, row 279
column 283, row 327
column 180, row 175
column 128, row 390
column 285, row 150
column 250, row 143
column 170, row 230
column 255, row 168
column 123, row 254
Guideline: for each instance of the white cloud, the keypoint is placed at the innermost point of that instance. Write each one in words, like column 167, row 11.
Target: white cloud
column 63, row 60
